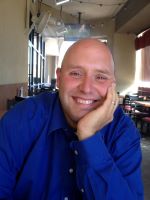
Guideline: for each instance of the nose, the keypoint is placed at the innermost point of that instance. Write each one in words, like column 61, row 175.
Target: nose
column 86, row 85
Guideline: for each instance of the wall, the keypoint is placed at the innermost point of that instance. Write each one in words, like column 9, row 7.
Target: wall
column 50, row 69
column 13, row 46
column 124, row 57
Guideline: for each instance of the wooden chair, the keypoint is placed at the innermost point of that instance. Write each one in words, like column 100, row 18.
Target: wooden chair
column 128, row 105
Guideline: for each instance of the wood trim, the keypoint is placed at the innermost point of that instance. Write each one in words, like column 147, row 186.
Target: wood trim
column 143, row 91
column 9, row 91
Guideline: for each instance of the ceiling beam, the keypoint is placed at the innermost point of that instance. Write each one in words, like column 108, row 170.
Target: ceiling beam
column 130, row 9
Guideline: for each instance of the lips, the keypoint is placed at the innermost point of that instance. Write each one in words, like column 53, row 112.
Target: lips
column 84, row 101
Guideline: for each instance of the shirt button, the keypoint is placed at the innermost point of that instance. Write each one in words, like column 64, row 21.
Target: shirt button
column 66, row 198
column 76, row 152
column 70, row 170
column 82, row 190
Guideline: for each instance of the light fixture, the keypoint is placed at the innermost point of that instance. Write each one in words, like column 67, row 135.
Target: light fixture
column 59, row 2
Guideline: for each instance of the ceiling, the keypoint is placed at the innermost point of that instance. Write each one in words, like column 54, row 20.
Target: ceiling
column 137, row 22
column 90, row 9
column 131, row 16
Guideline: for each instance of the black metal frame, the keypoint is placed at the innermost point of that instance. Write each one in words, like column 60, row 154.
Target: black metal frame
column 36, row 65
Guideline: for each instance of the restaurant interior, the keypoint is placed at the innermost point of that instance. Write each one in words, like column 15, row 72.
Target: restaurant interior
column 35, row 34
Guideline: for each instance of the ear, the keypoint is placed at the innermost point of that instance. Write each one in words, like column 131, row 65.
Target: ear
column 58, row 72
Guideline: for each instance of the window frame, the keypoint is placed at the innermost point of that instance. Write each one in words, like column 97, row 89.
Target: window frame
column 36, row 62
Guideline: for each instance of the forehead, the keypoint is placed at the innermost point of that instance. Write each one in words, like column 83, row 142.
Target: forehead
column 89, row 54
column 87, row 46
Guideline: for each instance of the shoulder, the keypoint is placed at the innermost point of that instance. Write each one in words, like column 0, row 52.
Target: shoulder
column 122, row 120
column 30, row 114
column 26, row 121
column 121, row 133
column 34, row 105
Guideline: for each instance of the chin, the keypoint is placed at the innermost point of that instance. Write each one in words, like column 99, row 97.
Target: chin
column 76, row 118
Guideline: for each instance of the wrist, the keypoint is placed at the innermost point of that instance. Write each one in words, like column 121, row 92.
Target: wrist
column 82, row 135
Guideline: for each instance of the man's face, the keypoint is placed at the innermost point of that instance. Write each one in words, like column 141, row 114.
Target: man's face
column 83, row 81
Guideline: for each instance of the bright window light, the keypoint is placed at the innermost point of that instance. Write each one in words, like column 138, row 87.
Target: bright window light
column 134, row 87
column 138, row 67
column 64, row 47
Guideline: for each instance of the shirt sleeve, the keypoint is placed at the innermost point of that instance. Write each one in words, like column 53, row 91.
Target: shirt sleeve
column 111, row 171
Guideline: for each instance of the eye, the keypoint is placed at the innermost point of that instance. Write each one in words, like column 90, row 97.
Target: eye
column 76, row 74
column 101, row 77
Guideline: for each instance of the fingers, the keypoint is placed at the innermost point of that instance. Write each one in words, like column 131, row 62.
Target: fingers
column 115, row 99
column 112, row 98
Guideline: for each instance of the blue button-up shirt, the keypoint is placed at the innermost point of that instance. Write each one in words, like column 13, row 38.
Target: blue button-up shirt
column 42, row 159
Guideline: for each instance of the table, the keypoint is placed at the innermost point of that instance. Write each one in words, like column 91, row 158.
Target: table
column 143, row 103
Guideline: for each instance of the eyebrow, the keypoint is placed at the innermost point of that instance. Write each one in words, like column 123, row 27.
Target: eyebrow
column 103, row 71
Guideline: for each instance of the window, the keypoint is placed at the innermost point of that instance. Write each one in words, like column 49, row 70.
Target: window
column 36, row 62
column 142, row 45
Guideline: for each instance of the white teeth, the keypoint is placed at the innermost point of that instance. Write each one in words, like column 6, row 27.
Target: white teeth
column 84, row 101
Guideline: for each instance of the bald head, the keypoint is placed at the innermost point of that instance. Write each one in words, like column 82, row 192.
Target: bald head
column 92, row 46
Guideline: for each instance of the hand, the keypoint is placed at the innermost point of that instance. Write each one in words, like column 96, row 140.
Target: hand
column 98, row 118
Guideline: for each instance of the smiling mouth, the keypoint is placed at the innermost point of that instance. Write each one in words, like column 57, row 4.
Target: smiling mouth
column 85, row 101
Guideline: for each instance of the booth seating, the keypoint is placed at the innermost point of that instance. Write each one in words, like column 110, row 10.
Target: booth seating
column 145, row 92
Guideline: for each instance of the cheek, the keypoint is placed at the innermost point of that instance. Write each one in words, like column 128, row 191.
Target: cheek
column 69, row 83
column 102, row 91
column 66, row 86
column 103, row 88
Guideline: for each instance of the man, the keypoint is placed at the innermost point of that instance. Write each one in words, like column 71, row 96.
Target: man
column 74, row 144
